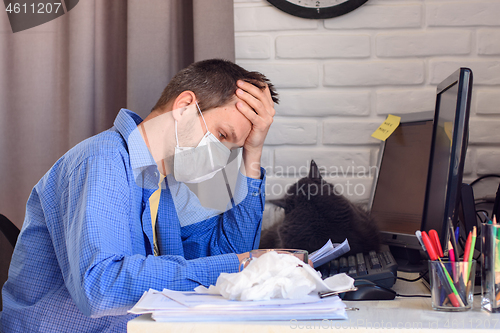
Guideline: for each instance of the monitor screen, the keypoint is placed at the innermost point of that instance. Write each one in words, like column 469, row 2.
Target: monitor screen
column 399, row 192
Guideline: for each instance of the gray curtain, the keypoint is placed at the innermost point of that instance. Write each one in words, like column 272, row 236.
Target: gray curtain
column 66, row 80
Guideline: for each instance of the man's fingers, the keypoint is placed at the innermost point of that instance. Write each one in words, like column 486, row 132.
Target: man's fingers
column 250, row 88
column 269, row 99
column 262, row 118
column 250, row 100
column 258, row 107
column 263, row 95
column 255, row 105
column 248, row 112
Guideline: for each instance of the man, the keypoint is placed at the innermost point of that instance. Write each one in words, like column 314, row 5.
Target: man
column 97, row 231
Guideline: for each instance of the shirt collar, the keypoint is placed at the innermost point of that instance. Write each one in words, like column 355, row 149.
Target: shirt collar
column 143, row 165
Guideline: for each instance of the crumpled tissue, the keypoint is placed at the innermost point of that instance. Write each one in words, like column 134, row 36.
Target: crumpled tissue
column 274, row 275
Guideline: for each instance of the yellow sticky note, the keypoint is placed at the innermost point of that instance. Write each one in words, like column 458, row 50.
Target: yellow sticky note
column 387, row 128
column 448, row 129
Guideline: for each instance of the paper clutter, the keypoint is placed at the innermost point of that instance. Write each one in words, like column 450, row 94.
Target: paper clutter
column 273, row 275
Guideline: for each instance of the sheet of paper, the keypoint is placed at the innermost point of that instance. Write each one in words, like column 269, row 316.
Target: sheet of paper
column 327, row 308
column 153, row 300
column 329, row 252
column 163, row 308
column 196, row 300
column 316, row 314
column 387, row 128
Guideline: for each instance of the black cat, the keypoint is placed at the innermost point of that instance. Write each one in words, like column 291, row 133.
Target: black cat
column 314, row 213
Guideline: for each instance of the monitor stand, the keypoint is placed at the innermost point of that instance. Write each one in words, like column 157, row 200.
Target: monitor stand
column 412, row 261
column 409, row 260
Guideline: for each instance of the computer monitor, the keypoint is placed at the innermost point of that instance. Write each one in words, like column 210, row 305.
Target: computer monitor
column 496, row 206
column 449, row 145
column 421, row 165
column 398, row 193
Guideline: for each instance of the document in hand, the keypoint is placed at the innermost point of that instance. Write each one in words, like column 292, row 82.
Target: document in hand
column 329, row 252
column 171, row 305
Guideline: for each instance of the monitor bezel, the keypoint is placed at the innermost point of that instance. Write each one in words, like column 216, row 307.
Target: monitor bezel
column 414, row 117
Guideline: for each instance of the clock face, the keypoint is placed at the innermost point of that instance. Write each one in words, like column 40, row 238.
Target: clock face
column 317, row 4
column 317, row 9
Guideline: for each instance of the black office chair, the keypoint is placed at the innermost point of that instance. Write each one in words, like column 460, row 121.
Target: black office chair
column 9, row 229
column 10, row 232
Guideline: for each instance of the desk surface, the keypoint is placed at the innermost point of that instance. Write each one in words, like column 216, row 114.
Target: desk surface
column 400, row 314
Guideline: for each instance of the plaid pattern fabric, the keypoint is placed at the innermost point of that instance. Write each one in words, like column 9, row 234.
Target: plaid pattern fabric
column 84, row 254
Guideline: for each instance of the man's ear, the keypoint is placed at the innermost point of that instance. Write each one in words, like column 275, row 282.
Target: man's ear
column 183, row 100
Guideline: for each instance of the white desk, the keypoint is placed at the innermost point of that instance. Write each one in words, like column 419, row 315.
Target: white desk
column 373, row 316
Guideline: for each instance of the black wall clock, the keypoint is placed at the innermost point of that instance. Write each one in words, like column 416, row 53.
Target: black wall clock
column 317, row 9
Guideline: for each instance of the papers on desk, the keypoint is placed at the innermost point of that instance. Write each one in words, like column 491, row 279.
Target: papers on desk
column 171, row 305
column 329, row 252
column 273, row 282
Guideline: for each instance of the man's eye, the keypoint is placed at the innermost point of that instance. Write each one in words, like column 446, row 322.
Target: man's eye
column 221, row 135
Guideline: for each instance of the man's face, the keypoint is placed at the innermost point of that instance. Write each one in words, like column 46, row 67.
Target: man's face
column 228, row 124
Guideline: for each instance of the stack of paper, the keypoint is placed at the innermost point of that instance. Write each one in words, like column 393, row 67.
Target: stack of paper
column 171, row 305
column 329, row 252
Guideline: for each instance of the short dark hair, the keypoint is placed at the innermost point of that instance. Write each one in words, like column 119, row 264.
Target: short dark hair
column 213, row 82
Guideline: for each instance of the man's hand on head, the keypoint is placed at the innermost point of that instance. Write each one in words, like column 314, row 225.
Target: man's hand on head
column 258, row 107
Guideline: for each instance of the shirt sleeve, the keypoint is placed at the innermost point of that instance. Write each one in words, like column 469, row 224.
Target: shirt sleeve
column 236, row 230
column 93, row 241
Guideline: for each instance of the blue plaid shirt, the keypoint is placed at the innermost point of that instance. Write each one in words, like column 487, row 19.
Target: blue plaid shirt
column 84, row 254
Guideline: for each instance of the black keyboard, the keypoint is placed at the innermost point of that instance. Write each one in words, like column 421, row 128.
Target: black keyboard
column 378, row 267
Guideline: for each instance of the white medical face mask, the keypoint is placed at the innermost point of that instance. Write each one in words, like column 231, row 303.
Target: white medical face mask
column 200, row 163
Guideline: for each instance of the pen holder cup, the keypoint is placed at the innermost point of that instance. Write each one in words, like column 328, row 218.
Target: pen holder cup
column 452, row 284
column 301, row 254
column 490, row 268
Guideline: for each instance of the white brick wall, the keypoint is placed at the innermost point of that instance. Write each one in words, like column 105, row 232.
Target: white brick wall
column 373, row 73
column 400, row 101
column 323, row 46
column 295, row 161
column 329, row 102
column 414, row 44
column 338, row 79
column 462, row 13
column 379, row 16
column 484, row 42
column 295, row 131
column 288, row 74
column 488, row 101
